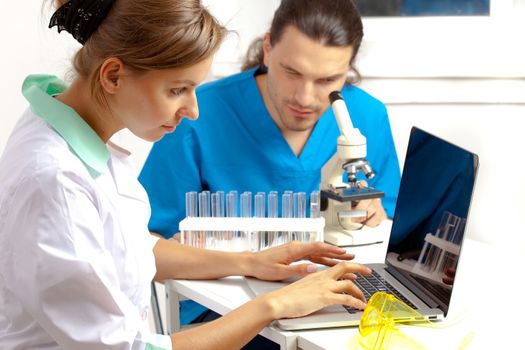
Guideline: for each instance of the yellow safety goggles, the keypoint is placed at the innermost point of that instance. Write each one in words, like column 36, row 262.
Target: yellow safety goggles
column 378, row 329
column 378, row 326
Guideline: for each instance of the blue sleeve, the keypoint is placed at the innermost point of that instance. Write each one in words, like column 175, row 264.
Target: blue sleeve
column 371, row 118
column 171, row 169
column 386, row 164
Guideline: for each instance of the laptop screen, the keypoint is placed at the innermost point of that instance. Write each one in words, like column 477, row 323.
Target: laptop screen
column 431, row 212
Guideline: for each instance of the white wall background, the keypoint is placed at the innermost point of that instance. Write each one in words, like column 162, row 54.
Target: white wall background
column 462, row 79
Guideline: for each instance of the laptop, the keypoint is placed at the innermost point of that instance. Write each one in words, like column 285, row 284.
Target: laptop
column 425, row 240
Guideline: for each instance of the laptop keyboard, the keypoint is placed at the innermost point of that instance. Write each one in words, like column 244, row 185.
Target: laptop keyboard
column 438, row 291
column 370, row 284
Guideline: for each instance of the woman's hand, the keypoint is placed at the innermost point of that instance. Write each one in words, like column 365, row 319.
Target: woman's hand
column 317, row 291
column 276, row 263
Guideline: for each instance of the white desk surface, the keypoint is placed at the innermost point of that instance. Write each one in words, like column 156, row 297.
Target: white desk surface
column 480, row 308
column 496, row 326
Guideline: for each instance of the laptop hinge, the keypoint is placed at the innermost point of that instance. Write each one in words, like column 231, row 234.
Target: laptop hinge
column 412, row 285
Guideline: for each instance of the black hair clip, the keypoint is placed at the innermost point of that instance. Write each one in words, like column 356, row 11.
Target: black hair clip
column 81, row 18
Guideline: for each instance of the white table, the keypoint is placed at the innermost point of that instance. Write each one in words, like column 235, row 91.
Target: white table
column 490, row 313
column 475, row 288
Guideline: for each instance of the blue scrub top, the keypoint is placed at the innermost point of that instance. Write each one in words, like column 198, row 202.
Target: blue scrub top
column 236, row 145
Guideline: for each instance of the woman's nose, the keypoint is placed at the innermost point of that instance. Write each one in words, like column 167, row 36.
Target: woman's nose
column 190, row 109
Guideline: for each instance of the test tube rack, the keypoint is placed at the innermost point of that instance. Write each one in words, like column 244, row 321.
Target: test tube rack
column 441, row 249
column 446, row 254
column 248, row 233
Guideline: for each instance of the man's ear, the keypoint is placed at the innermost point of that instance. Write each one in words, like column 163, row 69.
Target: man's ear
column 110, row 74
column 267, row 46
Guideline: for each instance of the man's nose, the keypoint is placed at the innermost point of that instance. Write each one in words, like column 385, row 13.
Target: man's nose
column 304, row 94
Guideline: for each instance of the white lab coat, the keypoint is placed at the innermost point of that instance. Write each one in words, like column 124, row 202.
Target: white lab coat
column 76, row 257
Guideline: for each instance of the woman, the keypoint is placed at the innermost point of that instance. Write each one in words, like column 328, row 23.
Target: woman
column 77, row 259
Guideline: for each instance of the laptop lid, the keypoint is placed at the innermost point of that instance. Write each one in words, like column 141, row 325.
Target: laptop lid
column 431, row 212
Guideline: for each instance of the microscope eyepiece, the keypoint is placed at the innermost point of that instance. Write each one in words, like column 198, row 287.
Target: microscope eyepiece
column 334, row 96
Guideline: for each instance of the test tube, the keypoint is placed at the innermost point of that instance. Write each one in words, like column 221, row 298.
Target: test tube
column 273, row 204
column 286, row 212
column 205, row 203
column 199, row 240
column 315, row 205
column 273, row 212
column 246, row 204
column 221, row 203
column 287, row 205
column 260, row 205
column 458, row 234
column 260, row 239
column 299, row 205
column 299, row 211
column 215, row 238
column 246, row 212
column 232, row 209
column 214, row 205
column 192, row 210
column 191, row 204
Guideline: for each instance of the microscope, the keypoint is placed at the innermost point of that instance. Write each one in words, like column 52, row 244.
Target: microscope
column 338, row 197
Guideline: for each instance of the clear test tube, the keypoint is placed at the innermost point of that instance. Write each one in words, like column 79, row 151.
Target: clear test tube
column 287, row 205
column 232, row 209
column 211, row 237
column 260, row 239
column 215, row 206
column 191, row 204
column 246, row 212
column 246, row 204
column 315, row 205
column 299, row 211
column 435, row 253
column 199, row 240
column 299, row 205
column 260, row 205
column 273, row 212
column 286, row 212
column 221, row 211
column 192, row 210
column 206, row 203
column 458, row 234
column 273, row 204
column 215, row 238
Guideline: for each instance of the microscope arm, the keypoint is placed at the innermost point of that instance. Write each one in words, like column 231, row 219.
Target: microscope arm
column 351, row 144
column 337, row 195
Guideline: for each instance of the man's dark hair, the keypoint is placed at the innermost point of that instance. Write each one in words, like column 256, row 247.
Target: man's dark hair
column 331, row 23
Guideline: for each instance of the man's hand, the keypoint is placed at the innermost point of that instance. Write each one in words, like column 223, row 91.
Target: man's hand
column 276, row 263
column 374, row 208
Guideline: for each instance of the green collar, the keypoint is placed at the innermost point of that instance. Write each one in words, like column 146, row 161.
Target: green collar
column 83, row 141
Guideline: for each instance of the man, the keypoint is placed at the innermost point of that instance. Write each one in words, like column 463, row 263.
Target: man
column 270, row 127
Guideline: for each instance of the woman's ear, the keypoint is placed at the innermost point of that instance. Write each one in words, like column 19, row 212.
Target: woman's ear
column 110, row 75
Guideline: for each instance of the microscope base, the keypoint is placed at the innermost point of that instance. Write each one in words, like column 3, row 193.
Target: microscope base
column 365, row 236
